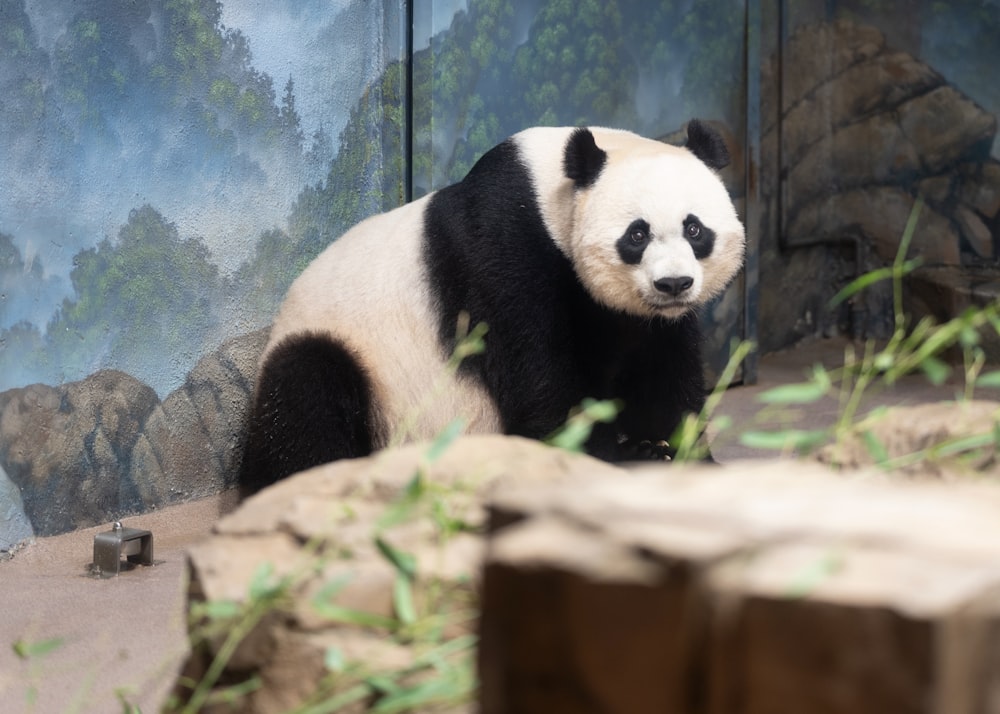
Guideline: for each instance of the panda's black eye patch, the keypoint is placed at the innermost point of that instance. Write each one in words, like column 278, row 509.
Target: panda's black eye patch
column 633, row 242
column 700, row 236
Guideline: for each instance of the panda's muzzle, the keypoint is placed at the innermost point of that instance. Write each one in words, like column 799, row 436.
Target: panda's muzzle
column 674, row 286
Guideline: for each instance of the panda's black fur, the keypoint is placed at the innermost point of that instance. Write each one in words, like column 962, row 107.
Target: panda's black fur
column 487, row 251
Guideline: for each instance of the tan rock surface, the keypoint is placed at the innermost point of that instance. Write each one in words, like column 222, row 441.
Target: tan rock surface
column 773, row 587
column 65, row 446
column 319, row 529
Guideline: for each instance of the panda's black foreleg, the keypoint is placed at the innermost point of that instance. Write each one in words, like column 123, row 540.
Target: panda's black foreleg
column 660, row 384
column 313, row 405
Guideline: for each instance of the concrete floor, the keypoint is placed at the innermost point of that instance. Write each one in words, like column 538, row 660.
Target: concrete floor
column 128, row 634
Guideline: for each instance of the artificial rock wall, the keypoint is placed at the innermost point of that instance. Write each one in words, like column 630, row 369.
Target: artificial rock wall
column 91, row 451
column 853, row 133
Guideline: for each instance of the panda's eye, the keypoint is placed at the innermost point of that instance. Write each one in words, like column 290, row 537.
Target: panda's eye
column 692, row 230
column 637, row 236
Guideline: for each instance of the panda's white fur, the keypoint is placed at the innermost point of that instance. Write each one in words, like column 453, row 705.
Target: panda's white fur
column 381, row 299
column 368, row 291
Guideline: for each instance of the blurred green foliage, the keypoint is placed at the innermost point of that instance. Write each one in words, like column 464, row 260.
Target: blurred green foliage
column 499, row 67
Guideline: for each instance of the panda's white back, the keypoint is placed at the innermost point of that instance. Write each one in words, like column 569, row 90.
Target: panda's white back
column 369, row 291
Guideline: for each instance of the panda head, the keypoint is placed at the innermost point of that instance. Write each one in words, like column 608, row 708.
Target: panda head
column 653, row 231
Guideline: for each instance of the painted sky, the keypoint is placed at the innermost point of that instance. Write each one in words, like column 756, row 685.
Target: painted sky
column 77, row 181
column 330, row 48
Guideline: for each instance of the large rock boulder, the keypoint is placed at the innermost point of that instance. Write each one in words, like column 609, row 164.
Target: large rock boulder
column 68, row 448
column 758, row 587
column 924, row 441
column 671, row 588
column 324, row 535
column 91, row 451
column 191, row 444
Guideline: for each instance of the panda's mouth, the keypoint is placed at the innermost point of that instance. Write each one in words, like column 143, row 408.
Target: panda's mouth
column 658, row 300
column 670, row 307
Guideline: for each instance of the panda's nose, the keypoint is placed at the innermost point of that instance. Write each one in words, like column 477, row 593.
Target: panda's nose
column 673, row 286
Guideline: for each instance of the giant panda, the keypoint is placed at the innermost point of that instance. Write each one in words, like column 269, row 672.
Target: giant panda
column 585, row 251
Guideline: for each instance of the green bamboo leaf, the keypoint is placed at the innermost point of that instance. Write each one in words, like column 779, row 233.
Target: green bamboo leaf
column 990, row 380
column 331, row 589
column 414, row 488
column 446, row 688
column 399, row 512
column 765, row 439
column 127, row 707
column 721, row 423
column 444, row 439
column 796, row 439
column 352, row 616
column 333, row 659
column 909, row 230
column 814, row 575
column 27, row 650
column 234, row 694
column 260, row 583
column 937, row 372
column 217, row 609
column 382, row 683
column 577, row 429
column 403, row 562
column 324, row 605
column 875, row 447
column 801, row 393
column 859, row 284
column 969, row 336
column 870, row 278
column 572, row 436
column 402, row 599
column 994, row 320
column 963, row 444
column 603, row 410
column 884, row 361
column 446, row 522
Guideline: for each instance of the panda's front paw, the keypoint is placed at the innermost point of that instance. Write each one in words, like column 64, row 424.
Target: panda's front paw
column 646, row 450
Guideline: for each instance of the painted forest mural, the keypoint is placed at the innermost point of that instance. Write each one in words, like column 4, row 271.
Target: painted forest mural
column 170, row 166
column 152, row 169
column 167, row 167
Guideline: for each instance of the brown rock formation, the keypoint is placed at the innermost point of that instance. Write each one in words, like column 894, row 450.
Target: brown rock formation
column 68, row 448
column 91, row 451
column 861, row 132
column 192, row 443
column 319, row 528
column 774, row 587
column 869, row 118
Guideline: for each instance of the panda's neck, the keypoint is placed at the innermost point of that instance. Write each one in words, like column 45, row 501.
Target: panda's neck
column 541, row 151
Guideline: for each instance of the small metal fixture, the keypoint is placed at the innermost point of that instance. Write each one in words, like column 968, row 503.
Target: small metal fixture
column 109, row 547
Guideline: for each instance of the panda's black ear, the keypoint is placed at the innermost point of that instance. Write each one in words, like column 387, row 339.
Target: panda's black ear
column 706, row 143
column 583, row 158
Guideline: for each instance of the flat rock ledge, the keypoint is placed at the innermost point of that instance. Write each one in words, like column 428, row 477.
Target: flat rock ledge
column 326, row 532
column 758, row 587
column 773, row 586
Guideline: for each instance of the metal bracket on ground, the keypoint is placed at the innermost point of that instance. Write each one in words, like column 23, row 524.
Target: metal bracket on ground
column 109, row 547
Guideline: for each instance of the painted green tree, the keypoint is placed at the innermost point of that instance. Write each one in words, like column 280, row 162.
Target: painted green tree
column 484, row 79
column 144, row 299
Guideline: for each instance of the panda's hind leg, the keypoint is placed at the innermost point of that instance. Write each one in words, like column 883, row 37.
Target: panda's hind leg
column 313, row 405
